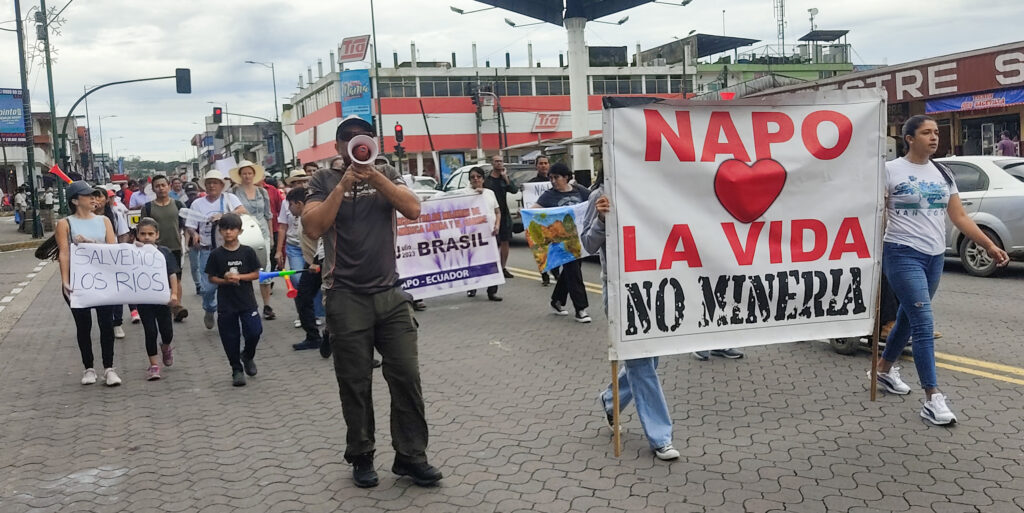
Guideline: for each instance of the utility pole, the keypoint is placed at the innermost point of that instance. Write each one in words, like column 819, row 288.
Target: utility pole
column 88, row 128
column 59, row 149
column 376, row 73
column 37, row 224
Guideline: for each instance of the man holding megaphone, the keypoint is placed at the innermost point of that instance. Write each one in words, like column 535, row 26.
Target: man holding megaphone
column 354, row 211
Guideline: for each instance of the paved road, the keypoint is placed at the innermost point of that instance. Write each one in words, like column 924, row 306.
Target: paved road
column 514, row 422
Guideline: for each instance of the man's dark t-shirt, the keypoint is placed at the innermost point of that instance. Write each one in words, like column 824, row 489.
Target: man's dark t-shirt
column 539, row 178
column 360, row 244
column 553, row 198
column 234, row 298
column 501, row 191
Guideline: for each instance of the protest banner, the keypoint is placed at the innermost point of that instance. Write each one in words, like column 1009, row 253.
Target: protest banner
column 742, row 223
column 532, row 192
column 449, row 248
column 115, row 274
column 554, row 234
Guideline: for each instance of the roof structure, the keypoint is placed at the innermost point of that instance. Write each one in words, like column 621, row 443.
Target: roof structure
column 551, row 11
column 709, row 44
column 823, row 35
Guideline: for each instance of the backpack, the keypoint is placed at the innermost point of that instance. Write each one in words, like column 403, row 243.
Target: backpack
column 147, row 211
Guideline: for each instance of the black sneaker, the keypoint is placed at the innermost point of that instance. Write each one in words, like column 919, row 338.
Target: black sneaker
column 237, row 378
column 423, row 474
column 268, row 313
column 582, row 316
column 507, row 274
column 306, row 344
column 250, row 366
column 730, row 353
column 702, row 356
column 471, row 293
column 558, row 308
column 545, row 279
column 363, row 473
column 325, row 347
column 493, row 297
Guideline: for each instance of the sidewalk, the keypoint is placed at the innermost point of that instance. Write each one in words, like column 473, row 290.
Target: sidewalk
column 11, row 238
column 514, row 422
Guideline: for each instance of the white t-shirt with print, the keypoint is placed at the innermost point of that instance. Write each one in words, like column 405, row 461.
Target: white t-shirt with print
column 207, row 209
column 917, row 196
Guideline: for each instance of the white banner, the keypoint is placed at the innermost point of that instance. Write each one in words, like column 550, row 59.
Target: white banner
column 743, row 223
column 118, row 274
column 450, row 248
column 532, row 192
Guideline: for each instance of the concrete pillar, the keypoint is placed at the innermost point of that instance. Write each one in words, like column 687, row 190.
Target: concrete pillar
column 419, row 164
column 474, row 54
column 412, row 51
column 579, row 65
column 529, row 53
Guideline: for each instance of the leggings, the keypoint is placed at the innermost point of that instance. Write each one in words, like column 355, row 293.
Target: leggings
column 156, row 318
column 83, row 328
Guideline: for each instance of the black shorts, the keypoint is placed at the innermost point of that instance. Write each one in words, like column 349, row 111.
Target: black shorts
column 505, row 230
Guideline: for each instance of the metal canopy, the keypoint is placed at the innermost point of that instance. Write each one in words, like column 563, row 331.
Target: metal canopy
column 551, row 11
column 708, row 44
column 824, row 35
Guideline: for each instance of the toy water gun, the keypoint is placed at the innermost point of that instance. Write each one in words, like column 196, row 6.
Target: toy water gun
column 60, row 174
column 264, row 276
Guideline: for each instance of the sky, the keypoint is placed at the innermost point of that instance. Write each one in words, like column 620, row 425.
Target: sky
column 108, row 40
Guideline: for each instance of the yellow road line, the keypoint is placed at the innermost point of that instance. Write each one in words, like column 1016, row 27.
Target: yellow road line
column 997, row 377
column 980, row 363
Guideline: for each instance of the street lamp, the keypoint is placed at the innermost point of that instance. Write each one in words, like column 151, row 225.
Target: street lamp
column 112, row 145
column 620, row 22
column 461, row 11
column 273, row 77
column 517, row 25
column 101, row 131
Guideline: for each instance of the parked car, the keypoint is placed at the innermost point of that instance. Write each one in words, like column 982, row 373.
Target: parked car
column 518, row 174
column 992, row 192
column 425, row 187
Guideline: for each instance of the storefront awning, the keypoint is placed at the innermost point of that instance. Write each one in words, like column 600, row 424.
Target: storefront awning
column 990, row 100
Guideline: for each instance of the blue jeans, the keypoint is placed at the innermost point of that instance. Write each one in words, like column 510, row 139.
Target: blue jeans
column 638, row 379
column 206, row 288
column 914, row 277
column 233, row 326
column 193, row 265
column 296, row 261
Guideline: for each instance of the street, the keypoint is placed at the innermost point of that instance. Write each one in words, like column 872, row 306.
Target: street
column 514, row 421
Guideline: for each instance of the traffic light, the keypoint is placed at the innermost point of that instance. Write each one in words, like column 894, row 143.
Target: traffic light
column 217, row 114
column 399, row 134
column 183, row 80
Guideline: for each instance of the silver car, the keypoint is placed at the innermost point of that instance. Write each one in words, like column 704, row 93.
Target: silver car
column 992, row 192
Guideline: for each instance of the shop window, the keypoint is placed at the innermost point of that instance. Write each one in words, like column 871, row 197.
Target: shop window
column 968, row 178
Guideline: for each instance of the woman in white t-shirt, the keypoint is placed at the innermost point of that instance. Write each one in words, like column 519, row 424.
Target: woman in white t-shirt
column 919, row 197
column 476, row 186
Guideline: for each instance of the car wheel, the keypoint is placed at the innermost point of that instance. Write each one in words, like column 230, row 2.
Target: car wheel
column 975, row 259
column 847, row 346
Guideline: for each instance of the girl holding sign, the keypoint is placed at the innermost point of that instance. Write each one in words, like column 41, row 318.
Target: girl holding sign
column 83, row 225
column 919, row 197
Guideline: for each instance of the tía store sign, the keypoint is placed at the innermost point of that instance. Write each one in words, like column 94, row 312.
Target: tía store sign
column 744, row 222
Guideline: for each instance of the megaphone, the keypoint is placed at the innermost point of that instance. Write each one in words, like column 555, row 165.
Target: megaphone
column 362, row 149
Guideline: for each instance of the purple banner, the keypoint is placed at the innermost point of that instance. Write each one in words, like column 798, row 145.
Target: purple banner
column 453, row 275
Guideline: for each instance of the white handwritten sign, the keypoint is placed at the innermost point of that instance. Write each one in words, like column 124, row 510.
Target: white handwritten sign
column 116, row 274
column 532, row 192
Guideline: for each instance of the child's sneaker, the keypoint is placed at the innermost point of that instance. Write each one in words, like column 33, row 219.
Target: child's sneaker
column 118, row 332
column 936, row 411
column 168, row 355
column 153, row 373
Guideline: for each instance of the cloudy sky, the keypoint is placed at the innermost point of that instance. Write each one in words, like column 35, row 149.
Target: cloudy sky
column 108, row 40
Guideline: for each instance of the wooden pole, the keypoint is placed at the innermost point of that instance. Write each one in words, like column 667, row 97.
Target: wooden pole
column 616, row 439
column 874, row 341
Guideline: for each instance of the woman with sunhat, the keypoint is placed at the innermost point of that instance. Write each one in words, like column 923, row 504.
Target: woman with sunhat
column 256, row 200
column 83, row 225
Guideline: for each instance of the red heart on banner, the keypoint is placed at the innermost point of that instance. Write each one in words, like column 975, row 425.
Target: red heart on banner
column 746, row 191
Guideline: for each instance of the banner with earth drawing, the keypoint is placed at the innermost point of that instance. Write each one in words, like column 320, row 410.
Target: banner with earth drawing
column 554, row 234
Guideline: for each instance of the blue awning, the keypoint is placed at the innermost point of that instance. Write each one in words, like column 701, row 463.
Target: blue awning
column 989, row 100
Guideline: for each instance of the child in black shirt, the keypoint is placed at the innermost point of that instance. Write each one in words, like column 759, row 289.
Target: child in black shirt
column 233, row 267
column 156, row 319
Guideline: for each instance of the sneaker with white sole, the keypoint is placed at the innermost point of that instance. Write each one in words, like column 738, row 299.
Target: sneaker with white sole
column 110, row 378
column 935, row 411
column 298, row 323
column 582, row 316
column 135, row 317
column 153, row 373
column 666, row 453
column 558, row 308
column 118, row 332
column 891, row 382
column 89, row 376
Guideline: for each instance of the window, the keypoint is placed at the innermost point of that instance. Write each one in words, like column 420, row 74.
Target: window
column 397, row 87
column 968, row 178
column 555, row 86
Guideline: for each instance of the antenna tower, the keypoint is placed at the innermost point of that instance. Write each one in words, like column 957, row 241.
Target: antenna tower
column 780, row 20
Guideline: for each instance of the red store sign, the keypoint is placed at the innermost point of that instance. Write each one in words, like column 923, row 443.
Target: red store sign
column 546, row 122
column 968, row 72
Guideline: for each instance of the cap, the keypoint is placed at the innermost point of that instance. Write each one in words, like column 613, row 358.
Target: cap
column 79, row 188
column 351, row 122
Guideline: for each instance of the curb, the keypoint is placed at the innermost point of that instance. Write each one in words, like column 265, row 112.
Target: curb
column 28, row 244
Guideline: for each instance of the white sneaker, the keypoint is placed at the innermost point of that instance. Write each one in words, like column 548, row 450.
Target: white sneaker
column 666, row 453
column 891, row 381
column 298, row 323
column 89, row 377
column 319, row 322
column 936, row 411
column 118, row 332
column 111, row 378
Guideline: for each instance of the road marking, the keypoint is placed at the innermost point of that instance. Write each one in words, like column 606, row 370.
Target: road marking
column 16, row 290
column 998, row 377
column 23, row 284
column 980, row 363
column 30, row 275
column 2, row 308
column 7, row 299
